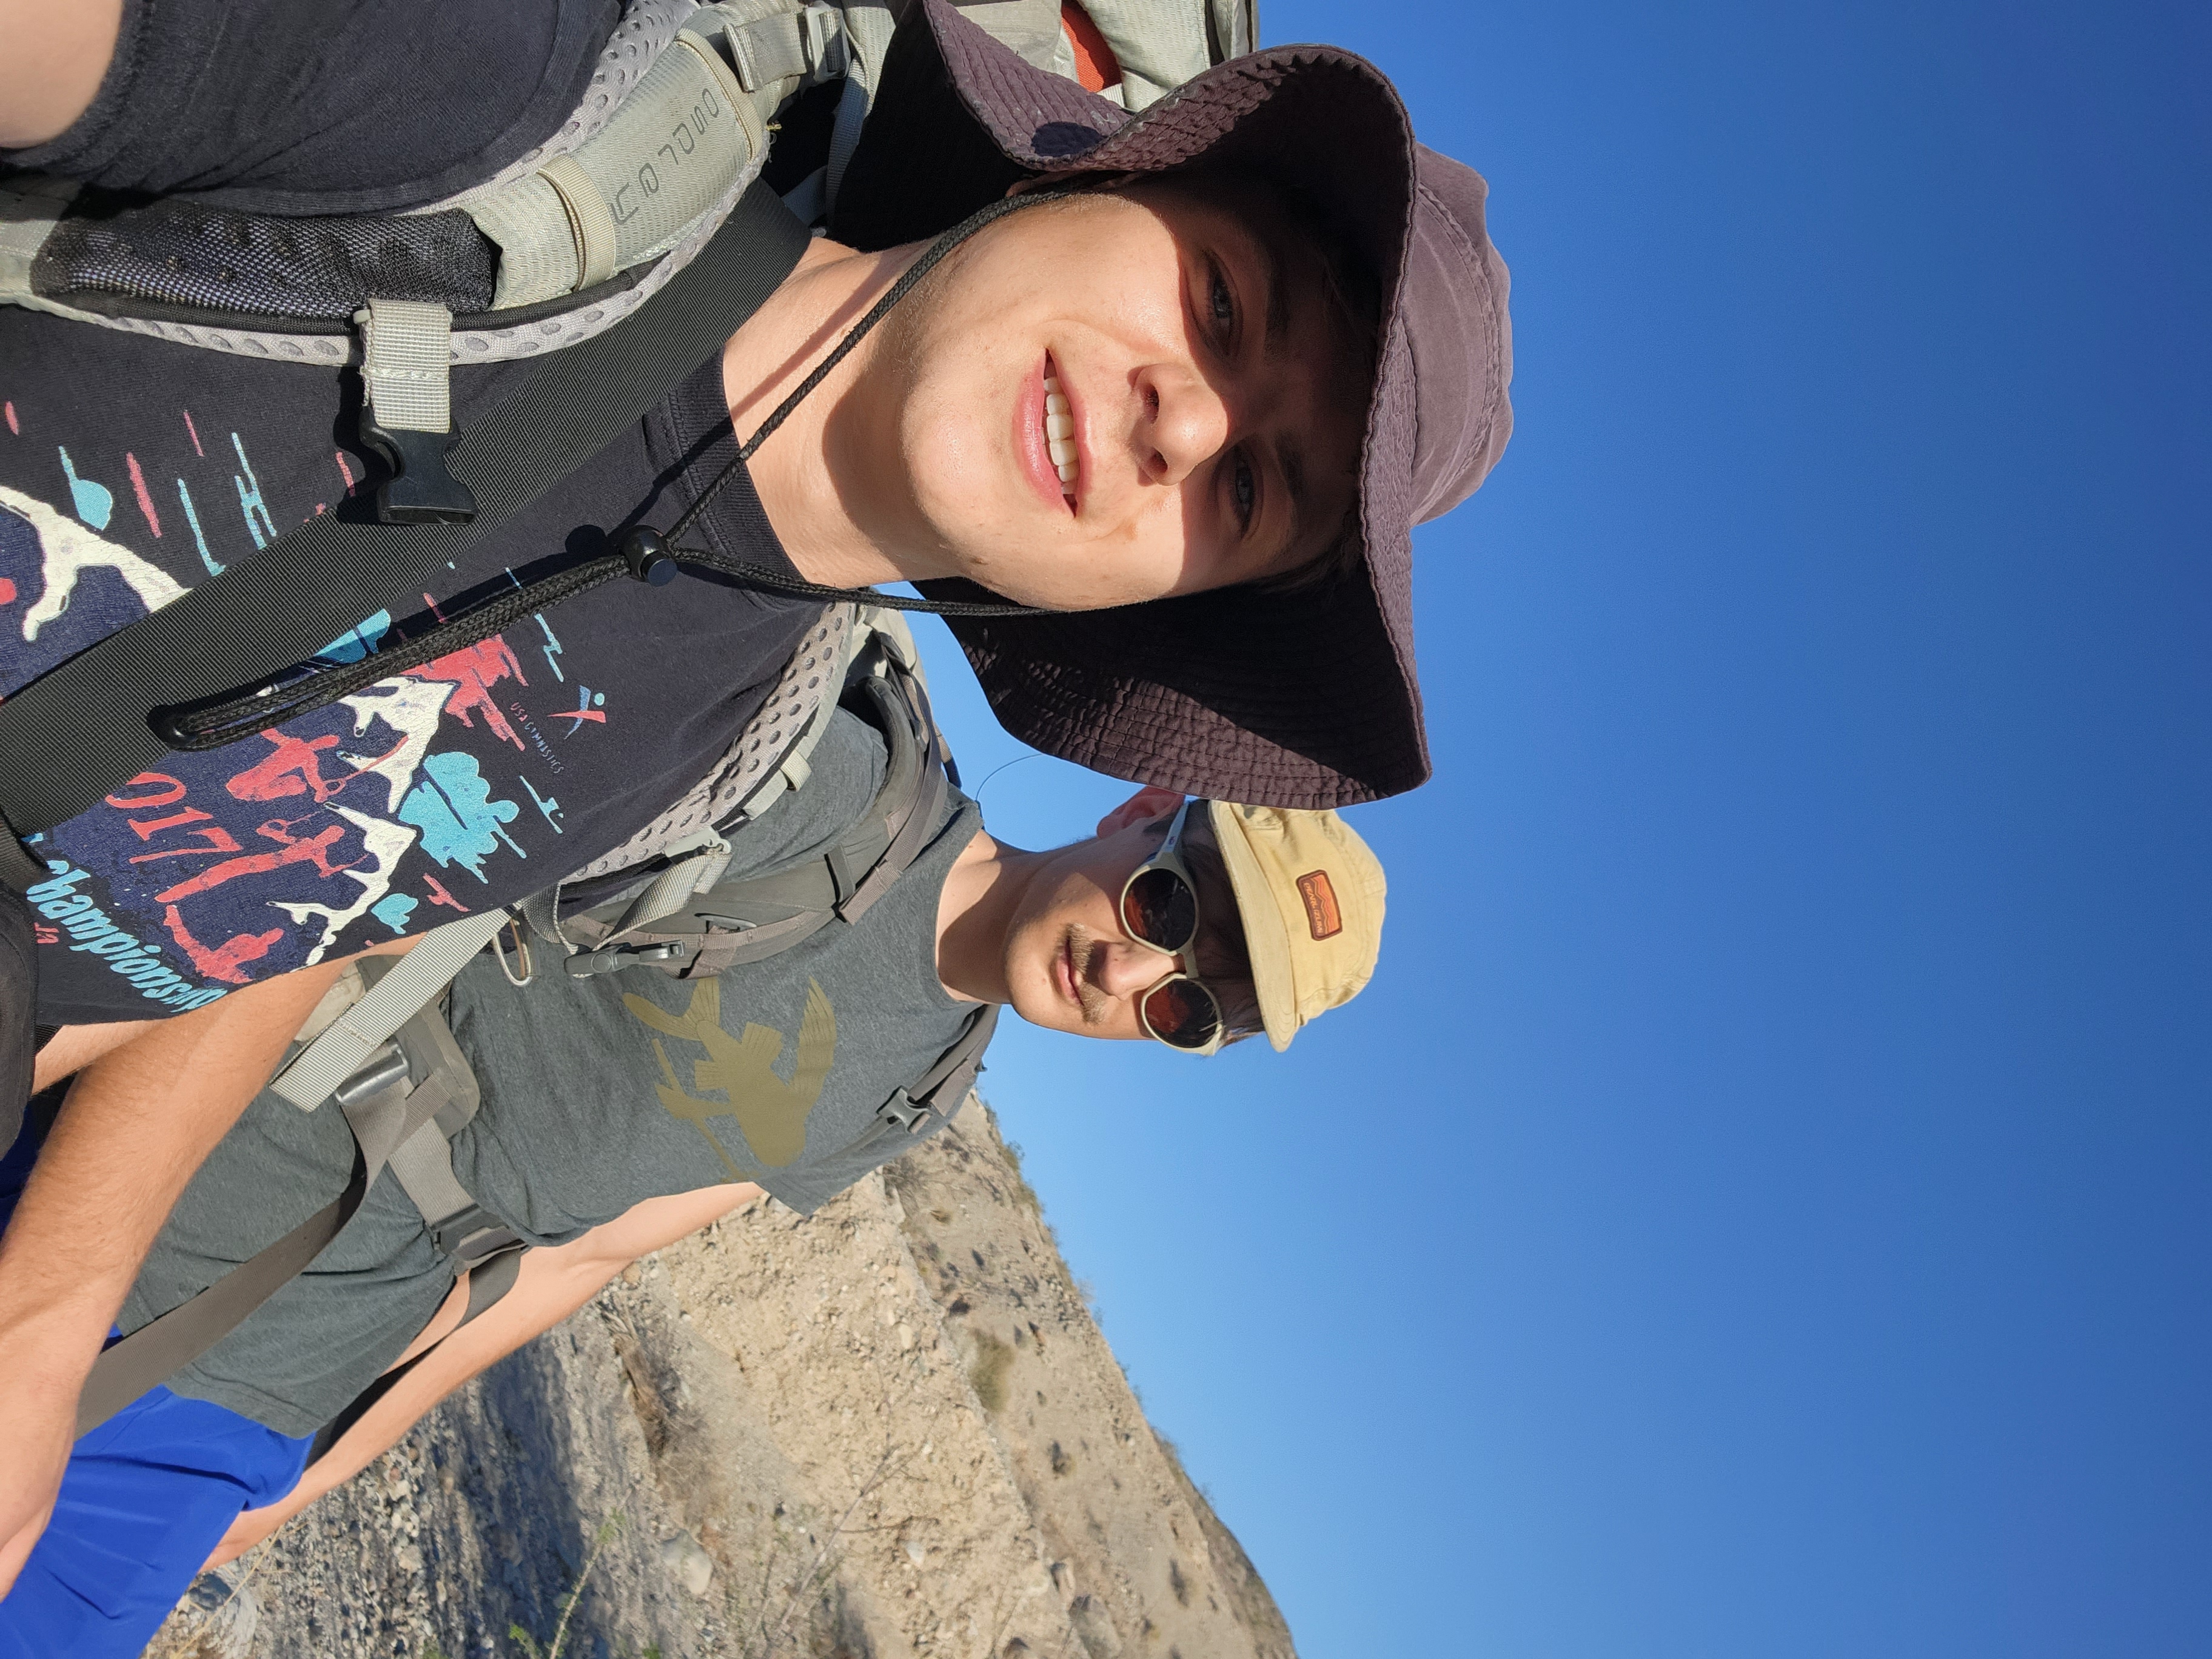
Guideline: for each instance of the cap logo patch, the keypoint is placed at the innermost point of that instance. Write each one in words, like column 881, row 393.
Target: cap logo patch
column 1323, row 919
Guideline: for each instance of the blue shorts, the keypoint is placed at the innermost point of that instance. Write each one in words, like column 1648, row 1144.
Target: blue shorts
column 147, row 1496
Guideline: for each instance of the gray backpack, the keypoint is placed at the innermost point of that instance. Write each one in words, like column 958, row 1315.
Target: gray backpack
column 378, row 1047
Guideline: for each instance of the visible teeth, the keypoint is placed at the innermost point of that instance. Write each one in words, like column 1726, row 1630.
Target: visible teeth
column 1059, row 429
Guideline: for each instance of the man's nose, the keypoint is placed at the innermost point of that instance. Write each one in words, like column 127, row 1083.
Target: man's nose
column 1185, row 423
column 1125, row 969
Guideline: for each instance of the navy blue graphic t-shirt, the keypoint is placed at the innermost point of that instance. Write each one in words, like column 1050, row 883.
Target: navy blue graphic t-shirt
column 132, row 469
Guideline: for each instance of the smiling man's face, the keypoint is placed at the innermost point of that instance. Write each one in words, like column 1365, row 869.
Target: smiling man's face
column 1215, row 392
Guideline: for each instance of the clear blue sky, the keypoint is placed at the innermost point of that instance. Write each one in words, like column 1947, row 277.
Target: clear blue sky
column 1764, row 1206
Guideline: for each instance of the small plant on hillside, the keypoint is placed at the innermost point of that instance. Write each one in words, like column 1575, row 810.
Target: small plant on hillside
column 524, row 1639
column 987, row 1371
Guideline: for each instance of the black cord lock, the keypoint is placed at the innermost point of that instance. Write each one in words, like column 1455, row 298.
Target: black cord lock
column 648, row 556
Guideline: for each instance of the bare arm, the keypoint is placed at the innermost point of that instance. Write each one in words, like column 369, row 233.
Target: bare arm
column 139, row 1119
column 552, row 1284
column 75, row 1047
column 53, row 54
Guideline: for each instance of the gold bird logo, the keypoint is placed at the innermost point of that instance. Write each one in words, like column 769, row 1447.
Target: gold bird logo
column 771, row 1112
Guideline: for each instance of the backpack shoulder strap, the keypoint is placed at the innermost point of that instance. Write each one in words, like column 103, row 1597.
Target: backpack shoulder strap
column 688, row 922
column 386, row 1103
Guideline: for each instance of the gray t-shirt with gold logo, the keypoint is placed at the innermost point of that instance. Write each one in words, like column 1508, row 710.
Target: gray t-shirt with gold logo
column 598, row 1094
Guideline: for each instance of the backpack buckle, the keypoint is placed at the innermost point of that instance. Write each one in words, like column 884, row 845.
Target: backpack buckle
column 902, row 1111
column 407, row 410
column 420, row 490
column 612, row 959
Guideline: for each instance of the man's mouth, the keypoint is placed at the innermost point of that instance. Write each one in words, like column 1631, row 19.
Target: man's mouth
column 1064, row 977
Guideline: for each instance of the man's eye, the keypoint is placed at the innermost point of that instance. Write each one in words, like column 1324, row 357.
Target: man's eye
column 1244, row 487
column 1224, row 307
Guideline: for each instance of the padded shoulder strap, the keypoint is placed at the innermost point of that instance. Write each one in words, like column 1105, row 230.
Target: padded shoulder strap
column 689, row 924
column 73, row 736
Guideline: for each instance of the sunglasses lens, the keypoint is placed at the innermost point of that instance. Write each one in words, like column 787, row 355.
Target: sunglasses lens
column 1159, row 909
column 1182, row 1014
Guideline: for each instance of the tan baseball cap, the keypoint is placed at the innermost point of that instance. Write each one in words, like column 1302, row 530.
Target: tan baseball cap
column 1310, row 894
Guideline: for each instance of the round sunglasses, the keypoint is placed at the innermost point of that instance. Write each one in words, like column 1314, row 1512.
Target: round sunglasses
column 1158, row 910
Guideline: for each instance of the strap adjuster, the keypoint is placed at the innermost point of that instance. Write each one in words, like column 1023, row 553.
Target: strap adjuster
column 383, row 1068
column 828, row 48
column 809, row 43
column 476, row 1227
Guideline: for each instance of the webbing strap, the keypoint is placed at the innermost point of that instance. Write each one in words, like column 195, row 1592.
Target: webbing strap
column 76, row 734
column 954, row 1074
column 349, row 1041
column 406, row 351
column 161, row 1348
column 491, row 1279
column 922, row 808
column 424, row 1164
column 810, row 42
column 695, row 872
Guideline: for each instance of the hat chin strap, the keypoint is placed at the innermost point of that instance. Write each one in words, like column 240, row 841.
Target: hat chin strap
column 642, row 549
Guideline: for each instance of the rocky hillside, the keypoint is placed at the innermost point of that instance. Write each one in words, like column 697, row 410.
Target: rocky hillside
column 892, row 1430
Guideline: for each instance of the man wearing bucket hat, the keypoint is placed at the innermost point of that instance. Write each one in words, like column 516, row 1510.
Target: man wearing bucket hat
column 601, row 1127
column 1226, row 576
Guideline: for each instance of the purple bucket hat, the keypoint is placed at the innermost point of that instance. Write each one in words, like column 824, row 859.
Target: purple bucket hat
column 1306, row 698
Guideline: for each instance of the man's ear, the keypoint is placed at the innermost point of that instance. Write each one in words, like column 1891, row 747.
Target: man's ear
column 1148, row 803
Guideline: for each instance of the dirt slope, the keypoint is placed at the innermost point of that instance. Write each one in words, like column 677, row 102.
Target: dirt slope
column 892, row 1430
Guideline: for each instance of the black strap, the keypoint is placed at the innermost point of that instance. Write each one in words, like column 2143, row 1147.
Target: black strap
column 489, row 1280
column 73, row 736
column 19, row 1002
column 763, row 916
column 948, row 1080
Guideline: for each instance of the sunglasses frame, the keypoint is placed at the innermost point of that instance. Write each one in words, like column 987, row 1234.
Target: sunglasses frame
column 1186, row 960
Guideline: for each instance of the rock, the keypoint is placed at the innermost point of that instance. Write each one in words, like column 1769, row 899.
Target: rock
column 692, row 1566
column 218, row 1619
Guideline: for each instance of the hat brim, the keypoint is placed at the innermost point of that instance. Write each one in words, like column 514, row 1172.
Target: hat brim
column 1306, row 698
